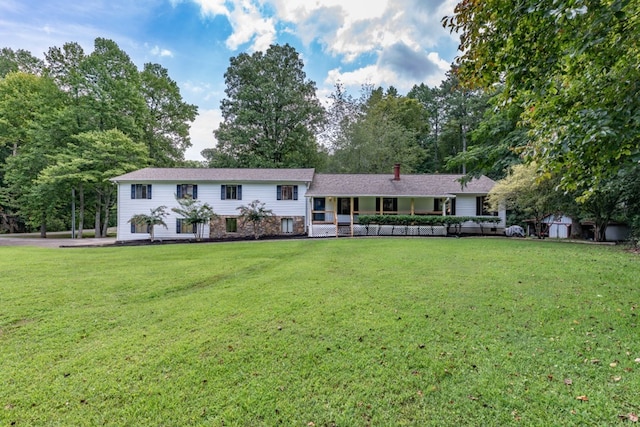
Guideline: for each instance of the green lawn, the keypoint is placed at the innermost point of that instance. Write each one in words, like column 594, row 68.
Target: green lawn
column 349, row 332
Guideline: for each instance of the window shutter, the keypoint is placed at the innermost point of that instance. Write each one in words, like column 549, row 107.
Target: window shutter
column 279, row 192
column 356, row 208
column 223, row 192
column 195, row 191
column 179, row 191
column 149, row 191
column 479, row 206
column 239, row 192
column 133, row 228
column 453, row 207
column 178, row 225
column 295, row 192
column 377, row 205
column 133, row 191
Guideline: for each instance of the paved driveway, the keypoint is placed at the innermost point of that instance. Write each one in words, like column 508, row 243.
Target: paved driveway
column 52, row 242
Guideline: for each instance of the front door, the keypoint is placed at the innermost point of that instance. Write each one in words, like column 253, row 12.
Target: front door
column 318, row 205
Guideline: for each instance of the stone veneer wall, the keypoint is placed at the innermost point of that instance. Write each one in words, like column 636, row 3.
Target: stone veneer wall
column 272, row 227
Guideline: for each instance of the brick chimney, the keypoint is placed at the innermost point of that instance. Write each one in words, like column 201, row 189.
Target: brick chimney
column 396, row 172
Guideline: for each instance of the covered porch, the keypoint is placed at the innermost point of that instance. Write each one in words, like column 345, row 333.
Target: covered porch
column 337, row 216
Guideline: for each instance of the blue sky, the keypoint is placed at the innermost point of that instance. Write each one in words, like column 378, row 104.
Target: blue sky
column 380, row 42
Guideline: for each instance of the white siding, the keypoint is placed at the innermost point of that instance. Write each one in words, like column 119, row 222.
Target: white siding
column 163, row 194
column 465, row 206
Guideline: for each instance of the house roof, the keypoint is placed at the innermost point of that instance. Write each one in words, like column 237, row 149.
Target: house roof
column 217, row 174
column 423, row 185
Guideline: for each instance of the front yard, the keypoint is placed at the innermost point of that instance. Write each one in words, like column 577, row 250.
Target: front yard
column 346, row 332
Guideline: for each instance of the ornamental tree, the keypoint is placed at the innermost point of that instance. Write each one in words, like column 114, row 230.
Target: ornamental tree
column 194, row 213
column 155, row 217
column 257, row 215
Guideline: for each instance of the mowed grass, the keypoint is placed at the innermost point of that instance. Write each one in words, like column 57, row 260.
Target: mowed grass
column 349, row 332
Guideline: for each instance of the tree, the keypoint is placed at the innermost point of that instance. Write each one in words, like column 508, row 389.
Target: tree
column 433, row 100
column 87, row 164
column 166, row 128
column 572, row 65
column 29, row 110
column 387, row 130
column 271, row 113
column 256, row 214
column 195, row 213
column 495, row 144
column 525, row 191
column 19, row 61
column 155, row 217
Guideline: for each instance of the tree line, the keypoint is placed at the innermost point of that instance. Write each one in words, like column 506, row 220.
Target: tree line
column 74, row 120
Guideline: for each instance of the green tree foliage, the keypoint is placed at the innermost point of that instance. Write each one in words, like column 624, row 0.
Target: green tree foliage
column 150, row 220
column 454, row 112
column 13, row 61
column 256, row 214
column 29, row 108
column 526, row 192
column 87, row 164
column 70, row 121
column 271, row 113
column 384, row 130
column 166, row 128
column 495, row 144
column 195, row 213
column 572, row 66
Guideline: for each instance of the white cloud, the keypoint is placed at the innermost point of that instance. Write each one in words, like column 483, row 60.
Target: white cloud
column 156, row 51
column 249, row 24
column 202, row 133
column 209, row 7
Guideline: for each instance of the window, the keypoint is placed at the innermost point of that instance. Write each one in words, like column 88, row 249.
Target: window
column 287, row 192
column 187, row 190
column 318, row 205
column 231, row 225
column 139, row 228
column 231, row 192
column 287, row 225
column 344, row 205
column 140, row 191
column 389, row 205
column 437, row 205
column 182, row 227
column 481, row 207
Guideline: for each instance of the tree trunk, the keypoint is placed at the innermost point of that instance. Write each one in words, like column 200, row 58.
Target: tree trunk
column 600, row 230
column 81, row 213
column 96, row 223
column 105, row 224
column 43, row 225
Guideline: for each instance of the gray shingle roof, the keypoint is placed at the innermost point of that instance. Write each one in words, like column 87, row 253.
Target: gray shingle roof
column 423, row 185
column 384, row 185
column 217, row 174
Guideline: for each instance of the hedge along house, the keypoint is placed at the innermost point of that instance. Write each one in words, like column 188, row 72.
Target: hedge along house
column 302, row 201
column 282, row 191
column 336, row 202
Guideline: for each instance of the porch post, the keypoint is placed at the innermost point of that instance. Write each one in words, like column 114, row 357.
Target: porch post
column 444, row 207
column 335, row 216
column 413, row 208
column 351, row 214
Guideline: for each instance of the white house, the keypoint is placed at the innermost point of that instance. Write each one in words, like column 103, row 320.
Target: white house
column 302, row 201
column 282, row 190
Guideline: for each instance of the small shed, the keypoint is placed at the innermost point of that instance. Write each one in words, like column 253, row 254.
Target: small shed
column 558, row 226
